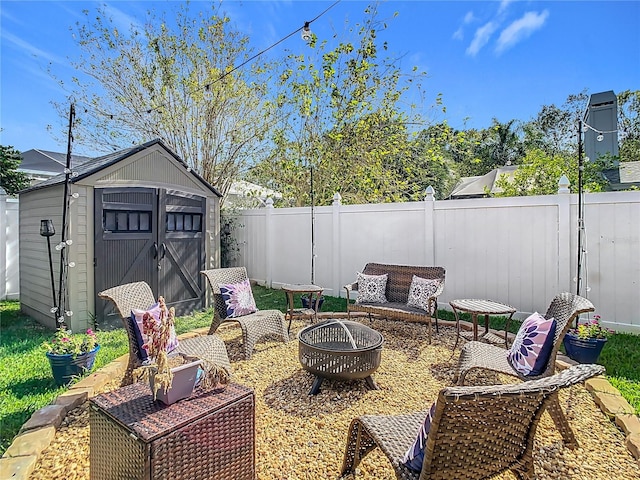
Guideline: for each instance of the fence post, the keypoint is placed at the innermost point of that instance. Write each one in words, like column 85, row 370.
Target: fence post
column 268, row 242
column 429, row 233
column 335, row 244
column 3, row 243
column 564, row 235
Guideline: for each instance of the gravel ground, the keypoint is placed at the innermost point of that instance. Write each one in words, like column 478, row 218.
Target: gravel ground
column 303, row 437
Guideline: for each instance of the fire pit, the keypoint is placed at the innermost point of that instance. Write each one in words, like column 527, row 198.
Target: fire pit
column 340, row 350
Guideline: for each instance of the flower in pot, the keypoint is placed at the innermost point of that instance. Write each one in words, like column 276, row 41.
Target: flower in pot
column 71, row 355
column 584, row 343
column 171, row 377
column 309, row 302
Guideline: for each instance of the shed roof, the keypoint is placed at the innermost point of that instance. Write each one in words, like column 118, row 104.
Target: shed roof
column 93, row 165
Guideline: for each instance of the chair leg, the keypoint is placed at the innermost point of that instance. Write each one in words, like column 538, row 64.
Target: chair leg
column 561, row 422
column 359, row 444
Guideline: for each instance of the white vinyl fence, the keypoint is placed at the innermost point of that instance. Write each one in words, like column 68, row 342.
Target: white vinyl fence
column 520, row 250
column 9, row 269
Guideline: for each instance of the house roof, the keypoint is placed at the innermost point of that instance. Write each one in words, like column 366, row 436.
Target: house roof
column 46, row 162
column 627, row 174
column 93, row 165
column 475, row 187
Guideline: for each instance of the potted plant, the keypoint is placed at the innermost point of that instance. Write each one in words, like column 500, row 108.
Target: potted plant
column 171, row 377
column 308, row 303
column 584, row 343
column 71, row 355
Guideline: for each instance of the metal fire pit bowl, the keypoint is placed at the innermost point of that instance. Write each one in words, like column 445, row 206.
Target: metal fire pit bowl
column 340, row 350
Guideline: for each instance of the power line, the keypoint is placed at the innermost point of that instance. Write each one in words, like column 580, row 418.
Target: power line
column 207, row 86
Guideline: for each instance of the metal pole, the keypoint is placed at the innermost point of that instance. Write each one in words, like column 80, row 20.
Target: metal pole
column 63, row 233
column 580, row 212
column 313, row 238
column 53, row 285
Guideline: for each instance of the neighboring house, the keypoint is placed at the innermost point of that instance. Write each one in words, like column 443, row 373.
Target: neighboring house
column 624, row 176
column 42, row 164
column 481, row 186
column 243, row 194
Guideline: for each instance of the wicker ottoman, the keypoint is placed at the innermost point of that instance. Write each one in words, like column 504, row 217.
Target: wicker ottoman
column 209, row 435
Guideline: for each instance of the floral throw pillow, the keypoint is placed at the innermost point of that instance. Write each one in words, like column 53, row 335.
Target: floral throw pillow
column 142, row 338
column 238, row 298
column 372, row 288
column 532, row 346
column 415, row 455
column 420, row 291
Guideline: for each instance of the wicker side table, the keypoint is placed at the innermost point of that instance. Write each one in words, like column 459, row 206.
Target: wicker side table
column 208, row 435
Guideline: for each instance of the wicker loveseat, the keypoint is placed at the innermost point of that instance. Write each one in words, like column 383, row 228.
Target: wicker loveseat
column 399, row 279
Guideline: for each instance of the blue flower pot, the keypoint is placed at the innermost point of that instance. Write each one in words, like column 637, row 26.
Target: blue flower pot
column 583, row 350
column 306, row 303
column 66, row 367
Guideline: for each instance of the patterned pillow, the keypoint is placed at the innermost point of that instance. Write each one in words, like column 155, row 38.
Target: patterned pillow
column 532, row 347
column 142, row 338
column 420, row 291
column 415, row 455
column 238, row 298
column 371, row 288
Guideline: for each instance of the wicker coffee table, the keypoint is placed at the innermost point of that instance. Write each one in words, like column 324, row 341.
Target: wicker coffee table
column 340, row 350
column 208, row 435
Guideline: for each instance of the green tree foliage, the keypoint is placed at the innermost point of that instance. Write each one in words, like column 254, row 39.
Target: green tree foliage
column 10, row 178
column 539, row 173
column 629, row 125
column 173, row 79
column 340, row 114
column 500, row 145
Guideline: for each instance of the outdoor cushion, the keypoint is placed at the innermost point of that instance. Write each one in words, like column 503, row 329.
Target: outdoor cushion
column 420, row 291
column 371, row 288
column 137, row 321
column 532, row 346
column 415, row 455
column 238, row 298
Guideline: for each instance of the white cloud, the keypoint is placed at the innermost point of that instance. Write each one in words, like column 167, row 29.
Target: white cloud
column 521, row 29
column 458, row 34
column 481, row 37
column 503, row 6
column 468, row 18
column 123, row 22
column 29, row 49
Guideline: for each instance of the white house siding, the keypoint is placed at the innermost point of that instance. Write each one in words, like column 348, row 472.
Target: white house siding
column 519, row 250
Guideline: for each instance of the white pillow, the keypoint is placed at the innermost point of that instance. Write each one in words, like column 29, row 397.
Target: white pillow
column 371, row 288
column 420, row 291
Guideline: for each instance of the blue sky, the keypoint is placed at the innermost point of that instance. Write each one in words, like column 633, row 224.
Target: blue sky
column 502, row 59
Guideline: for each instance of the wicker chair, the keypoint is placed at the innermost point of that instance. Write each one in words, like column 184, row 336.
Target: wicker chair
column 564, row 308
column 254, row 325
column 476, row 432
column 209, row 348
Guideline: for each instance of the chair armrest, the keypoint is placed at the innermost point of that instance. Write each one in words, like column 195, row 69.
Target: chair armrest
column 349, row 287
column 438, row 291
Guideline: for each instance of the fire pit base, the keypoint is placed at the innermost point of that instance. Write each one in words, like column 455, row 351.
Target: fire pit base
column 315, row 388
column 340, row 350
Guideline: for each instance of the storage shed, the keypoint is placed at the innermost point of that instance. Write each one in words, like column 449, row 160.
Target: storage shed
column 140, row 214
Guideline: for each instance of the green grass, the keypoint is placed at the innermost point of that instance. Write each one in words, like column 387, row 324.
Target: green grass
column 26, row 384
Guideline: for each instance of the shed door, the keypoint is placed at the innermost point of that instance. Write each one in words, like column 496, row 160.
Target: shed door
column 151, row 235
